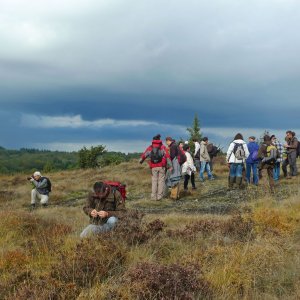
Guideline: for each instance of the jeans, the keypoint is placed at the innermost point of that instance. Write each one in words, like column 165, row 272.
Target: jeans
column 253, row 167
column 292, row 161
column 276, row 171
column 96, row 229
column 205, row 167
column 236, row 170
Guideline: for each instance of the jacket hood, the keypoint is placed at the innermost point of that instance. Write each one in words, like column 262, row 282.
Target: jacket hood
column 239, row 141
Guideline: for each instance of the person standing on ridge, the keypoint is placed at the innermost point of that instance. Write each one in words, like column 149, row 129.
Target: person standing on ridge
column 159, row 160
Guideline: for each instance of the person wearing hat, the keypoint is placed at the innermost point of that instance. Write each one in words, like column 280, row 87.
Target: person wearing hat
column 252, row 161
column 104, row 207
column 41, row 189
column 159, row 160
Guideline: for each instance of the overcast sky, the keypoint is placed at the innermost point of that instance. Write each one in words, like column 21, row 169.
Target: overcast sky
column 75, row 73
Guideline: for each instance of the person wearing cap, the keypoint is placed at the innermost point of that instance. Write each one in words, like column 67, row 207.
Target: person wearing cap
column 159, row 160
column 252, row 161
column 41, row 189
column 279, row 146
column 104, row 207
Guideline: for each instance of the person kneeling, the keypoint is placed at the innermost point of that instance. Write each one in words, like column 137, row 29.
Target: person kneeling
column 104, row 206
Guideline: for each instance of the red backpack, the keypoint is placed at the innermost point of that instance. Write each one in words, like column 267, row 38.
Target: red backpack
column 117, row 186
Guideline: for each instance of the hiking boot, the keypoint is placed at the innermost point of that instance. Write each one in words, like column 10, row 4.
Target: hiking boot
column 32, row 206
column 194, row 188
column 239, row 181
column 288, row 177
column 44, row 205
column 231, row 183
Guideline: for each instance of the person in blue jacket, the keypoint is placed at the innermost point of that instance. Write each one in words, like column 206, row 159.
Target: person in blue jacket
column 252, row 161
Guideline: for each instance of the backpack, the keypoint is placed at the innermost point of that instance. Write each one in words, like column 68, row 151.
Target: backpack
column 239, row 151
column 298, row 149
column 117, row 186
column 181, row 156
column 156, row 155
column 269, row 149
column 49, row 184
column 213, row 151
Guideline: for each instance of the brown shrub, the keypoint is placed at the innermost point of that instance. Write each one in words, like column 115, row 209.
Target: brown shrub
column 43, row 289
column 92, row 260
column 13, row 260
column 236, row 227
column 154, row 281
column 133, row 230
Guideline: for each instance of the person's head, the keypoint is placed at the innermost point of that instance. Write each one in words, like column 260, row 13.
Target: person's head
column 100, row 188
column 238, row 136
column 169, row 140
column 181, row 144
column 252, row 138
column 267, row 139
column 273, row 138
column 37, row 175
column 157, row 137
column 205, row 140
column 186, row 147
column 289, row 134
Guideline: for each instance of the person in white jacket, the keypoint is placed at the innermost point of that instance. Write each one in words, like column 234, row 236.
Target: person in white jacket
column 237, row 154
column 188, row 168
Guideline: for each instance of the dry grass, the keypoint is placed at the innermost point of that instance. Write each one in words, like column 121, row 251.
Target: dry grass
column 209, row 245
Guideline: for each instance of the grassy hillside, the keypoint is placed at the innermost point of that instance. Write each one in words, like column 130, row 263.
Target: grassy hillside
column 211, row 244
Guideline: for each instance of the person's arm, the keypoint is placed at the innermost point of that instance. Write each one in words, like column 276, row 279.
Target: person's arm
column 39, row 184
column 229, row 152
column 247, row 153
column 145, row 154
column 89, row 207
column 197, row 147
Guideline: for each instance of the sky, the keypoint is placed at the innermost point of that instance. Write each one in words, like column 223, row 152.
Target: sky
column 89, row 72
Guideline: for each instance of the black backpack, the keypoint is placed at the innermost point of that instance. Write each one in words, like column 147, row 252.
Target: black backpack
column 49, row 185
column 213, row 151
column 156, row 155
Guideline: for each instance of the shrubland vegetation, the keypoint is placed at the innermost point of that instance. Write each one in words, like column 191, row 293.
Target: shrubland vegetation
column 29, row 160
column 210, row 244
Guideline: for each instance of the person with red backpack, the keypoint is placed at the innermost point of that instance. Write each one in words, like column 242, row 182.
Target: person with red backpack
column 105, row 206
column 159, row 160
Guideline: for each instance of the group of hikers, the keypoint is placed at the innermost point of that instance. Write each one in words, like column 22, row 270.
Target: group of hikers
column 246, row 161
column 170, row 162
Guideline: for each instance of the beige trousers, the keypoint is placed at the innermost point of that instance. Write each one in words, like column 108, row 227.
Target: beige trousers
column 158, row 183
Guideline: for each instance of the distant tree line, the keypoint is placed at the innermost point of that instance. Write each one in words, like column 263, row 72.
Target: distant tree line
column 29, row 160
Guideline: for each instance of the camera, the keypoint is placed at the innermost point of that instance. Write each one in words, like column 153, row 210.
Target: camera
column 28, row 178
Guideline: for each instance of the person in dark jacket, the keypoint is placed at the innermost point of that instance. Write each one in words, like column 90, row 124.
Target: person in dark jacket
column 268, row 154
column 105, row 207
column 159, row 160
column 252, row 161
column 291, row 151
column 40, row 189
column 174, row 174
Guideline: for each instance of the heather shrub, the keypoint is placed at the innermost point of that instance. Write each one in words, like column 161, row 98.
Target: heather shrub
column 154, row 281
column 91, row 261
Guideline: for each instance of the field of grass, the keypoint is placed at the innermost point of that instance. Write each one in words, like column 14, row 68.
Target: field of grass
column 210, row 244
